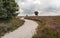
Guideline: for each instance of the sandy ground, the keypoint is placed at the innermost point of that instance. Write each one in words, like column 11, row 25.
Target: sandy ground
column 25, row 31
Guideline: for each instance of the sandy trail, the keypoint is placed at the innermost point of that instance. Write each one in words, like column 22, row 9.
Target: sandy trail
column 25, row 31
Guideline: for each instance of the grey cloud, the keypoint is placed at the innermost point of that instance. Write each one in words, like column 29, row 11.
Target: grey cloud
column 23, row 0
column 47, row 6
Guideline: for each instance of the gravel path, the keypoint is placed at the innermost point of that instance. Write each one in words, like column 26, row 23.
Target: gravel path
column 25, row 31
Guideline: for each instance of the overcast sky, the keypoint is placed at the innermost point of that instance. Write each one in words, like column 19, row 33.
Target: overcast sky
column 44, row 7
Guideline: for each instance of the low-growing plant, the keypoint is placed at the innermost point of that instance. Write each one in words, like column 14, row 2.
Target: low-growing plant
column 48, row 26
column 11, row 26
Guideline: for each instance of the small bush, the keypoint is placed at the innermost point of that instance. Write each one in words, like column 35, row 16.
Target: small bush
column 35, row 36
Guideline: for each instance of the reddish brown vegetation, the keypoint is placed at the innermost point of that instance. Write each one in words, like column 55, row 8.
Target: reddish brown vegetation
column 49, row 26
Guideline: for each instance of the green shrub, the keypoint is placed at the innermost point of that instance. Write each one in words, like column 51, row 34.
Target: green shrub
column 8, row 9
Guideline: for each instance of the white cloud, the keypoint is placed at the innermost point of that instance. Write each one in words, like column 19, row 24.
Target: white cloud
column 37, row 2
column 46, row 7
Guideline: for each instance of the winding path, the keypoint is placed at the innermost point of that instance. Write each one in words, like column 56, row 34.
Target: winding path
column 25, row 31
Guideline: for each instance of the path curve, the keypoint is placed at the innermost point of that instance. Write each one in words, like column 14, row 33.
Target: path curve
column 25, row 31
